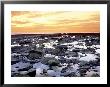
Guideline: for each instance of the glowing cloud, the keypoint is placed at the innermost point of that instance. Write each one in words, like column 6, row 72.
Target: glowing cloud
column 55, row 22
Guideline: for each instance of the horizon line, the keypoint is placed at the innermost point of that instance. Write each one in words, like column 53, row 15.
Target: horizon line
column 55, row 33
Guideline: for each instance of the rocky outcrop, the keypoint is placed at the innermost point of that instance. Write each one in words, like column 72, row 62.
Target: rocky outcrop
column 33, row 54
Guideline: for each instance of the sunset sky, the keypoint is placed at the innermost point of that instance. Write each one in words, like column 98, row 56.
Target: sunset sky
column 55, row 22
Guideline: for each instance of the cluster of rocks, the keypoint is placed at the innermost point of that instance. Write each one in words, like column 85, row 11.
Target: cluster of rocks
column 55, row 56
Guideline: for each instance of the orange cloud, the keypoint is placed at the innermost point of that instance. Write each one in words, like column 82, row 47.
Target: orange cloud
column 55, row 22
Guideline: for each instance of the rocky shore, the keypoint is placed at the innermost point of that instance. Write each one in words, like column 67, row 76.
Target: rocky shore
column 59, row 55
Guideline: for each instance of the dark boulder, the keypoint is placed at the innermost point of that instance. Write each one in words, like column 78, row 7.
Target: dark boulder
column 32, row 73
column 34, row 55
column 50, row 61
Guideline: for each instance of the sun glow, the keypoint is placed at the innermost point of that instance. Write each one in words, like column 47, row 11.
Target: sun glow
column 55, row 21
column 42, row 20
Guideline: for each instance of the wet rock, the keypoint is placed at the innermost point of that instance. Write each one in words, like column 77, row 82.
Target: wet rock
column 76, row 50
column 82, row 72
column 20, row 75
column 35, row 55
column 23, row 72
column 53, row 73
column 32, row 73
column 50, row 61
column 20, row 66
column 61, row 49
column 64, row 55
column 95, row 75
column 53, row 63
column 64, row 70
column 14, row 62
column 40, row 65
column 62, row 60
column 92, row 74
column 25, row 69
column 72, row 74
column 89, row 57
column 44, row 71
